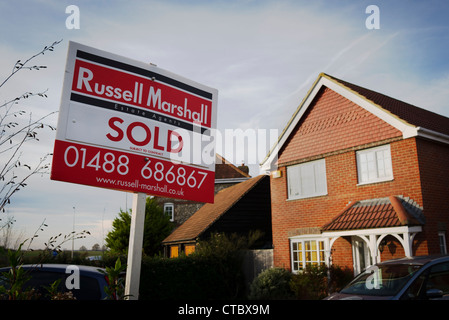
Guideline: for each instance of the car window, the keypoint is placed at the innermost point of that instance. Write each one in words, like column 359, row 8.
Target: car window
column 416, row 290
column 384, row 280
column 439, row 278
column 436, row 277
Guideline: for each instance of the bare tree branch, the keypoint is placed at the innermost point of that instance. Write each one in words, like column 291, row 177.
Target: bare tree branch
column 15, row 132
column 23, row 65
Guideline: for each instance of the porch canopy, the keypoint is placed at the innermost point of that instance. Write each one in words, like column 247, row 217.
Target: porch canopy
column 374, row 219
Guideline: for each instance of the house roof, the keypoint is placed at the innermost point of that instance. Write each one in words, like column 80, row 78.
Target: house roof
column 201, row 220
column 412, row 121
column 393, row 211
column 412, row 114
column 226, row 170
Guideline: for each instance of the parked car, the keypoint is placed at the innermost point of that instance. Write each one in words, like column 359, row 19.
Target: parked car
column 90, row 286
column 416, row 278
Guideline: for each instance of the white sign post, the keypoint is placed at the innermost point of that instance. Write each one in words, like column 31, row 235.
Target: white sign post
column 129, row 126
column 135, row 247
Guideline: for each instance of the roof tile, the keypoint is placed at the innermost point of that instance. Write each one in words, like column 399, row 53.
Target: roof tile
column 377, row 213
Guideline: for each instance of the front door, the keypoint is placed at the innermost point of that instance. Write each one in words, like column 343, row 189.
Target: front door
column 360, row 255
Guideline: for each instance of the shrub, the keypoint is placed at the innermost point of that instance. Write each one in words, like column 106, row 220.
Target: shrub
column 272, row 284
column 311, row 283
column 317, row 282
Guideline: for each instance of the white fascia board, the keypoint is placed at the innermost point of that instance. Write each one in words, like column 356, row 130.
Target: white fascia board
column 432, row 135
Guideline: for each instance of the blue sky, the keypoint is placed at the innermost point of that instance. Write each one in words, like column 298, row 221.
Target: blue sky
column 262, row 56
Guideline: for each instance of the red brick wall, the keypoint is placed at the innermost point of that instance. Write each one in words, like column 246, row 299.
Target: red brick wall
column 434, row 168
column 332, row 123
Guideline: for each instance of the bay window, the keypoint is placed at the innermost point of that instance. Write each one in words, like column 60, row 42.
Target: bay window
column 306, row 252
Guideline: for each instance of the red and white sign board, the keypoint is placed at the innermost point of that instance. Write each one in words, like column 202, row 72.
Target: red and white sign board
column 131, row 126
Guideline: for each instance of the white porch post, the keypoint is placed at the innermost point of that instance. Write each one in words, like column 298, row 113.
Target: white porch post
column 373, row 248
column 327, row 251
column 407, row 243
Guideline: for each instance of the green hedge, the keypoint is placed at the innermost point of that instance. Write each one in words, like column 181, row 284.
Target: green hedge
column 193, row 278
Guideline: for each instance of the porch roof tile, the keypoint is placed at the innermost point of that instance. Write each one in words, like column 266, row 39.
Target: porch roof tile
column 393, row 211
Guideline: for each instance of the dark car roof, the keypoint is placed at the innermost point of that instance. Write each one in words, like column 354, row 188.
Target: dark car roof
column 58, row 267
column 417, row 260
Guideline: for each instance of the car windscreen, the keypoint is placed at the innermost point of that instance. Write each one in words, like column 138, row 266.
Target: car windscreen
column 382, row 280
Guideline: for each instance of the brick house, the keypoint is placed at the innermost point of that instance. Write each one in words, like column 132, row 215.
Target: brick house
column 358, row 177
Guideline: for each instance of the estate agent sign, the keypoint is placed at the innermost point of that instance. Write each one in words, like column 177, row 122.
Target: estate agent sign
column 131, row 126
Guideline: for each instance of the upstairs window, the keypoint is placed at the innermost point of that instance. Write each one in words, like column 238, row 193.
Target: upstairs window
column 307, row 180
column 374, row 165
column 169, row 210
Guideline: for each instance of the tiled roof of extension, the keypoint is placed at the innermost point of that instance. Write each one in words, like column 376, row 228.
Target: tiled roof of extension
column 413, row 115
column 393, row 211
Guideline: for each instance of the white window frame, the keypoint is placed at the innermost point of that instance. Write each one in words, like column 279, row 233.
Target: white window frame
column 297, row 265
column 381, row 167
column 299, row 178
column 170, row 205
column 442, row 241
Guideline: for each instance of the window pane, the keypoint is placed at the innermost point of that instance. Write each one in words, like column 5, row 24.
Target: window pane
column 363, row 168
column 308, row 257
column 307, row 179
column 322, row 256
column 293, row 181
column 320, row 178
column 374, row 164
column 371, row 163
column 307, row 245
